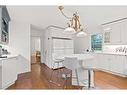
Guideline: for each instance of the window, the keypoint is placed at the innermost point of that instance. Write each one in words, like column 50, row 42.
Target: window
column 96, row 42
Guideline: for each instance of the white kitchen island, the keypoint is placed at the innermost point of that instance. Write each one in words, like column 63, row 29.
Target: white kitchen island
column 83, row 74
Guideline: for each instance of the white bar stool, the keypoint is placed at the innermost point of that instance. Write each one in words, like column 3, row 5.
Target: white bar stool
column 56, row 62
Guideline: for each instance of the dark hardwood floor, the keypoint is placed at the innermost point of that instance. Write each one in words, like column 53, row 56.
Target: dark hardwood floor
column 39, row 77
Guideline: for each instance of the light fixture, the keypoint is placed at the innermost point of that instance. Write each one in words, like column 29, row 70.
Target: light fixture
column 69, row 30
column 81, row 34
column 74, row 25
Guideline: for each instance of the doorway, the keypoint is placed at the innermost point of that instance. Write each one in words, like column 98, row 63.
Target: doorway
column 35, row 50
column 36, row 36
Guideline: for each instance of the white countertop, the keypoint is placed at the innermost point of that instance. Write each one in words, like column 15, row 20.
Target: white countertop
column 107, row 53
column 9, row 56
column 78, row 56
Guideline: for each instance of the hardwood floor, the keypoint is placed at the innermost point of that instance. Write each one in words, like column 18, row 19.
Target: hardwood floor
column 105, row 80
column 39, row 77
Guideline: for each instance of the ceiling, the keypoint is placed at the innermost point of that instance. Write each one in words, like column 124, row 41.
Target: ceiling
column 43, row 16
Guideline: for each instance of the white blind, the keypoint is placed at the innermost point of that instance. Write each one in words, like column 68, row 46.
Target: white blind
column 61, row 47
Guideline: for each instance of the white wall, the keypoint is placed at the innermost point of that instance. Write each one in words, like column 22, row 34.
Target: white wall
column 19, row 40
column 81, row 44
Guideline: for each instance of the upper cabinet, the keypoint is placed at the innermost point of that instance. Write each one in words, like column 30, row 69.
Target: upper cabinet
column 4, row 25
column 115, row 33
column 124, row 32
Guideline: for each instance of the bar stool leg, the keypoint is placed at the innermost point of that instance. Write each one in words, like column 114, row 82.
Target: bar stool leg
column 77, row 76
column 89, row 79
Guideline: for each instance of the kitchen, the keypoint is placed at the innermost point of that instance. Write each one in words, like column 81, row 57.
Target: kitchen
column 103, row 41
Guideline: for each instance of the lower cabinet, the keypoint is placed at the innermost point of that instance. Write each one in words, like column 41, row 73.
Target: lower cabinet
column 115, row 64
column 0, row 76
column 9, row 71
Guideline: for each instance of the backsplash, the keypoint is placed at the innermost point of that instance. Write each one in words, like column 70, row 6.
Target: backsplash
column 115, row 49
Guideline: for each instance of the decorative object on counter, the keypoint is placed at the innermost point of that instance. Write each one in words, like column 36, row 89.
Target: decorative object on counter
column 74, row 24
column 5, row 51
column 121, row 49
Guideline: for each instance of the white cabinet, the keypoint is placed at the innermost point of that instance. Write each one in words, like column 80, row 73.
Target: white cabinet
column 9, row 71
column 59, row 33
column 99, row 60
column 115, row 33
column 0, row 76
column 124, row 32
column 117, row 64
column 106, row 62
column 56, row 43
column 106, row 34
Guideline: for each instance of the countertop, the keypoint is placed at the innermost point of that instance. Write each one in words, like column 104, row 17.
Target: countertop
column 107, row 53
column 9, row 56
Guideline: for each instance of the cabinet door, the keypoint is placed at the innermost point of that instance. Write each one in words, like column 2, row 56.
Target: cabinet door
column 106, row 34
column 99, row 60
column 9, row 72
column 0, row 76
column 116, row 33
column 59, row 33
column 124, row 32
column 117, row 64
column 125, row 65
column 107, row 61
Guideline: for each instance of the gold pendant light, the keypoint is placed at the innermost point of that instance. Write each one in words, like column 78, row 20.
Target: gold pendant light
column 74, row 25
